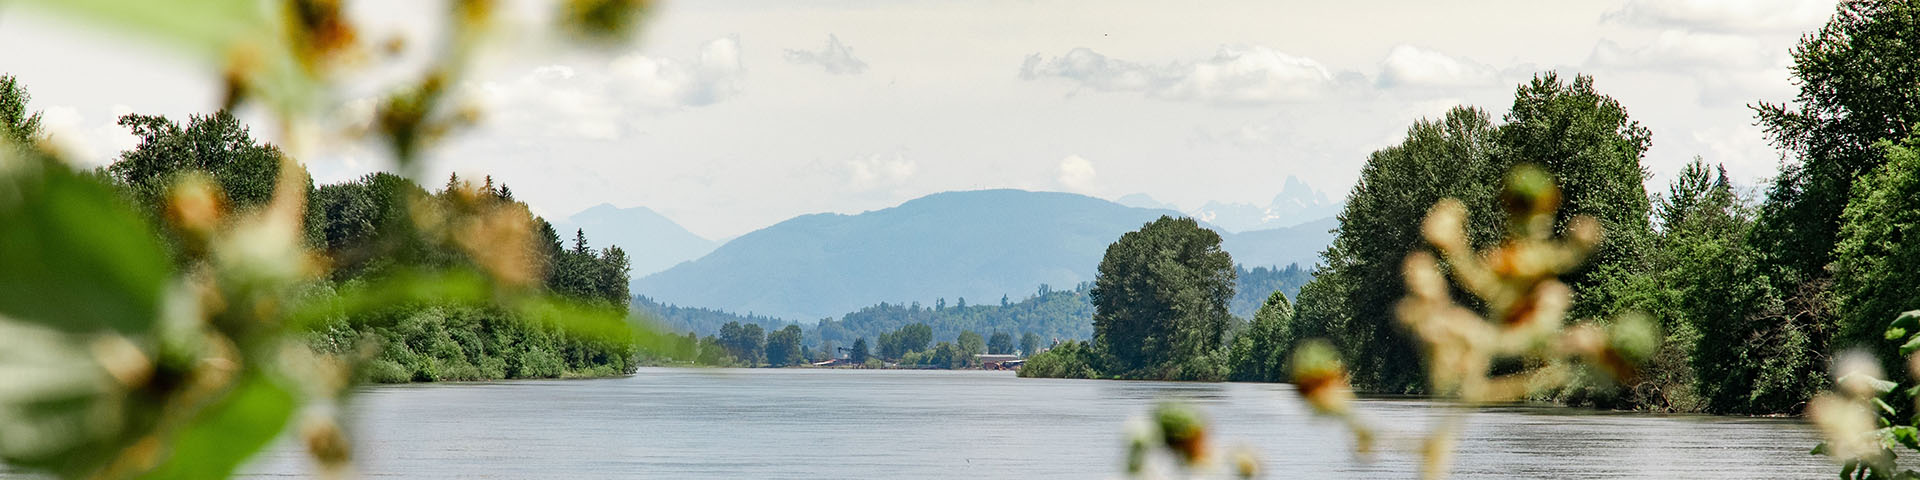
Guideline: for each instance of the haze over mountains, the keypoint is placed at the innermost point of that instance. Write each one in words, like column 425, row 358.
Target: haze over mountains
column 976, row 245
column 652, row 241
column 1296, row 203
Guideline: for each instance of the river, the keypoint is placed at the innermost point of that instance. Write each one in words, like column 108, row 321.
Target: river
column 805, row 423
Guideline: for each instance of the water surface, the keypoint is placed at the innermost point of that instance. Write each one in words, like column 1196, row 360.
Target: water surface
column 802, row 423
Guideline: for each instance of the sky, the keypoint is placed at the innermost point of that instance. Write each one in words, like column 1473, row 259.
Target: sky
column 731, row 115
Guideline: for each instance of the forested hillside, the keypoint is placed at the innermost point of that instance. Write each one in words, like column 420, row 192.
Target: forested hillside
column 1048, row 313
column 697, row 320
column 1251, row 288
column 1051, row 314
column 974, row 244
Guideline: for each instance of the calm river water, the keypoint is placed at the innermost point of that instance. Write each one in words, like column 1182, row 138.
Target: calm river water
column 797, row 423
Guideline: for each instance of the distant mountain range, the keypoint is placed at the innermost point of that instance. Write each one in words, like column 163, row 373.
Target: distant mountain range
column 652, row 241
column 975, row 244
column 1296, row 204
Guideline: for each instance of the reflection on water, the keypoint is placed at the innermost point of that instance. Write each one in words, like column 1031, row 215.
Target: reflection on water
column 741, row 423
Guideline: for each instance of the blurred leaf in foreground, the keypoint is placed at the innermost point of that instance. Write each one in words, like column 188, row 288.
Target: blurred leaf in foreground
column 76, row 257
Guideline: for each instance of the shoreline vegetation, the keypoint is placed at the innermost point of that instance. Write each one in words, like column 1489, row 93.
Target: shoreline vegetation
column 351, row 225
column 1750, row 297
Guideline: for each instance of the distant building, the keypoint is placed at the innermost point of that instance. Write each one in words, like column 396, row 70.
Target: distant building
column 993, row 361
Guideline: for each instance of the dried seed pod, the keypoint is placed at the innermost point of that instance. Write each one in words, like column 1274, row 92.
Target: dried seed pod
column 1846, row 424
column 602, row 21
column 196, row 207
column 320, row 33
column 1183, row 430
column 1321, row 378
column 1445, row 226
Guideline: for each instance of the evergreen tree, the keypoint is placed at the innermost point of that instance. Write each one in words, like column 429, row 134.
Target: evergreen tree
column 1029, row 344
column 858, row 354
column 1000, row 343
column 17, row 125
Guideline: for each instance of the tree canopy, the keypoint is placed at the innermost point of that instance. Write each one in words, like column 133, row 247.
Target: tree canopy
column 1160, row 300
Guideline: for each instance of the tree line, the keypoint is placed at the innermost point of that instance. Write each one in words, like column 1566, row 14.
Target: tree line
column 749, row 345
column 1753, row 295
column 442, row 342
column 1037, row 321
column 344, row 222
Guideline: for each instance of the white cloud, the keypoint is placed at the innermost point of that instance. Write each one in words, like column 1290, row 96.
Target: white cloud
column 672, row 83
column 1076, row 174
column 65, row 131
column 1742, row 148
column 1684, row 50
column 597, row 102
column 1410, row 66
column 1726, row 15
column 87, row 143
column 836, row 57
column 880, row 170
column 1234, row 75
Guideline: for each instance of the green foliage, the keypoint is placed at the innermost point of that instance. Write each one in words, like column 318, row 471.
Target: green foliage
column 746, row 343
column 1071, row 359
column 1161, row 298
column 712, row 352
column 1864, row 431
column 1000, row 343
column 1593, row 150
column 355, row 221
column 1878, row 254
column 1253, row 287
column 210, row 384
column 1859, row 87
column 1859, row 80
column 783, row 347
column 466, row 343
column 860, row 352
column 365, row 227
column 582, row 272
column 1048, row 313
column 1350, row 300
column 701, row 321
column 18, row 126
column 1694, row 264
column 970, row 343
column 1259, row 353
column 1582, row 138
column 76, row 257
column 1029, row 344
column 244, row 422
column 217, row 144
column 181, row 362
column 908, row 339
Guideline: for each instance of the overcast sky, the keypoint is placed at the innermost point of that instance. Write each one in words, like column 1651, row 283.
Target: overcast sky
column 731, row 115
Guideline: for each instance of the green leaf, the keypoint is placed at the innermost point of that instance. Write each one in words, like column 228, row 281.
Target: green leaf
column 225, row 435
column 76, row 257
column 1910, row 346
column 1884, row 407
column 1903, row 435
column 397, row 289
column 1878, row 385
column 592, row 321
column 206, row 26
